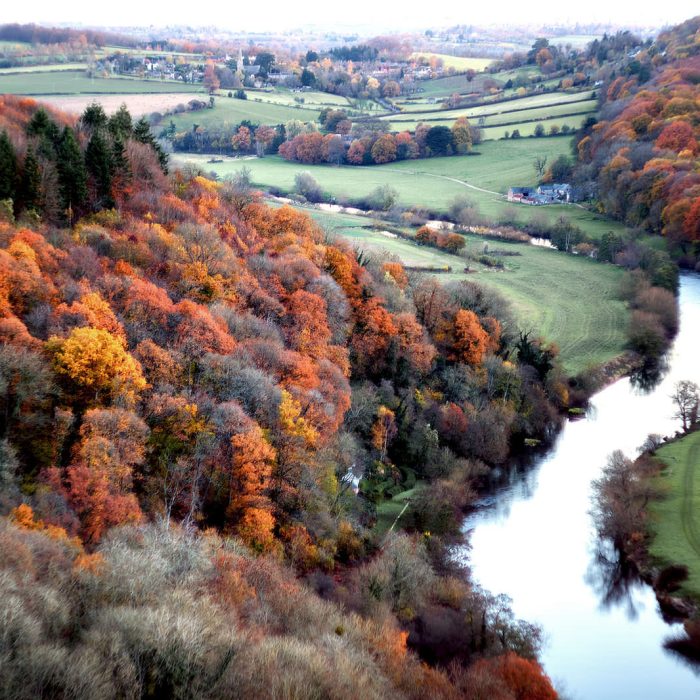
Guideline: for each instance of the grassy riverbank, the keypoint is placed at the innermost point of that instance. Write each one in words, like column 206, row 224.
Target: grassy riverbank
column 676, row 517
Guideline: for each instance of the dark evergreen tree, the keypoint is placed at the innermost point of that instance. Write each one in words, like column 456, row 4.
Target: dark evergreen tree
column 93, row 118
column 30, row 186
column 72, row 177
column 142, row 133
column 99, row 164
column 120, row 124
column 8, row 168
column 48, row 133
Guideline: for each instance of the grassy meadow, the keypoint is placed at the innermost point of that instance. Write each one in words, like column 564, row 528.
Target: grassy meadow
column 228, row 111
column 460, row 63
column 675, row 519
column 59, row 82
column 432, row 183
column 523, row 114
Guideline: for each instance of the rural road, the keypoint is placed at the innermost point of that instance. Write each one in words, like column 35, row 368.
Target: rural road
column 446, row 177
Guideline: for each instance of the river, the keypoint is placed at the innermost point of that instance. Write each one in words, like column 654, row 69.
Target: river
column 534, row 540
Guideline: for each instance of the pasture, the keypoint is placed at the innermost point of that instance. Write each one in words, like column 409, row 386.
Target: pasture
column 460, row 63
column 432, row 183
column 675, row 526
column 228, row 111
column 38, row 82
column 527, row 110
column 49, row 68
column 545, row 288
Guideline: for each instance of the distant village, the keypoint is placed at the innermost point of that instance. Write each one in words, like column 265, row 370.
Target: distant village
column 244, row 70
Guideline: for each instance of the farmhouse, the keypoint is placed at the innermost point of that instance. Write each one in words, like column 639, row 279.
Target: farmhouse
column 544, row 194
column 517, row 194
column 556, row 191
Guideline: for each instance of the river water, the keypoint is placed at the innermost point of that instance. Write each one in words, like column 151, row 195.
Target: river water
column 534, row 540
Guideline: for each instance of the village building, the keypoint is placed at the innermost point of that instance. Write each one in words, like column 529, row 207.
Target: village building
column 544, row 194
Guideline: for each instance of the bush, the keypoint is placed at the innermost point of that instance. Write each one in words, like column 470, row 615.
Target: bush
column 646, row 335
column 662, row 304
column 306, row 185
column 383, row 198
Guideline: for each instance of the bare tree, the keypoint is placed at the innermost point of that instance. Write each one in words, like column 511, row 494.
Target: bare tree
column 686, row 396
column 540, row 163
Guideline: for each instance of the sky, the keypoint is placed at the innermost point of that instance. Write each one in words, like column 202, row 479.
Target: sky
column 284, row 15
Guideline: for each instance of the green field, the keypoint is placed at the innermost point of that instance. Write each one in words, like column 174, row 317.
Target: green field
column 553, row 108
column 281, row 96
column 50, row 68
column 544, row 287
column 527, row 128
column 443, row 87
column 229, row 110
column 461, row 63
column 545, row 99
column 494, row 126
column 76, row 82
column 433, row 182
column 676, row 518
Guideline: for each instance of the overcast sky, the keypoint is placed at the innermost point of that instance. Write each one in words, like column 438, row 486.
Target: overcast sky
column 278, row 15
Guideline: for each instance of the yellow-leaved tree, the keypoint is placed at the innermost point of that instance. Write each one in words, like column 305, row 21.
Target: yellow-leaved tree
column 97, row 366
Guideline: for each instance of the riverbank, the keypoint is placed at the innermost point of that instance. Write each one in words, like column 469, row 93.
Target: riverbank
column 667, row 557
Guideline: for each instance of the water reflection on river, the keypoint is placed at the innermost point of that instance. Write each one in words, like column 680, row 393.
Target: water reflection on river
column 534, row 540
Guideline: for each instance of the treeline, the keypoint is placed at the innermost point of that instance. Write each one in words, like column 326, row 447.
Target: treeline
column 56, row 171
column 642, row 155
column 361, row 52
column 361, row 143
column 38, row 34
column 194, row 356
column 375, row 146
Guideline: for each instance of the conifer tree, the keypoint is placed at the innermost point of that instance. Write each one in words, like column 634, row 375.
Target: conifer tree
column 120, row 125
column 8, row 168
column 142, row 133
column 43, row 127
column 98, row 161
column 93, row 118
column 30, row 186
column 72, row 176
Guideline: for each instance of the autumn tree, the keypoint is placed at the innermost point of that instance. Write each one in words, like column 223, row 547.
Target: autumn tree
column 384, row 431
column 249, row 508
column 462, row 135
column 241, row 140
column 356, row 152
column 524, row 678
column 466, row 339
column 211, row 80
column 98, row 482
column 97, row 365
column 264, row 136
column 384, row 149
column 307, row 327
